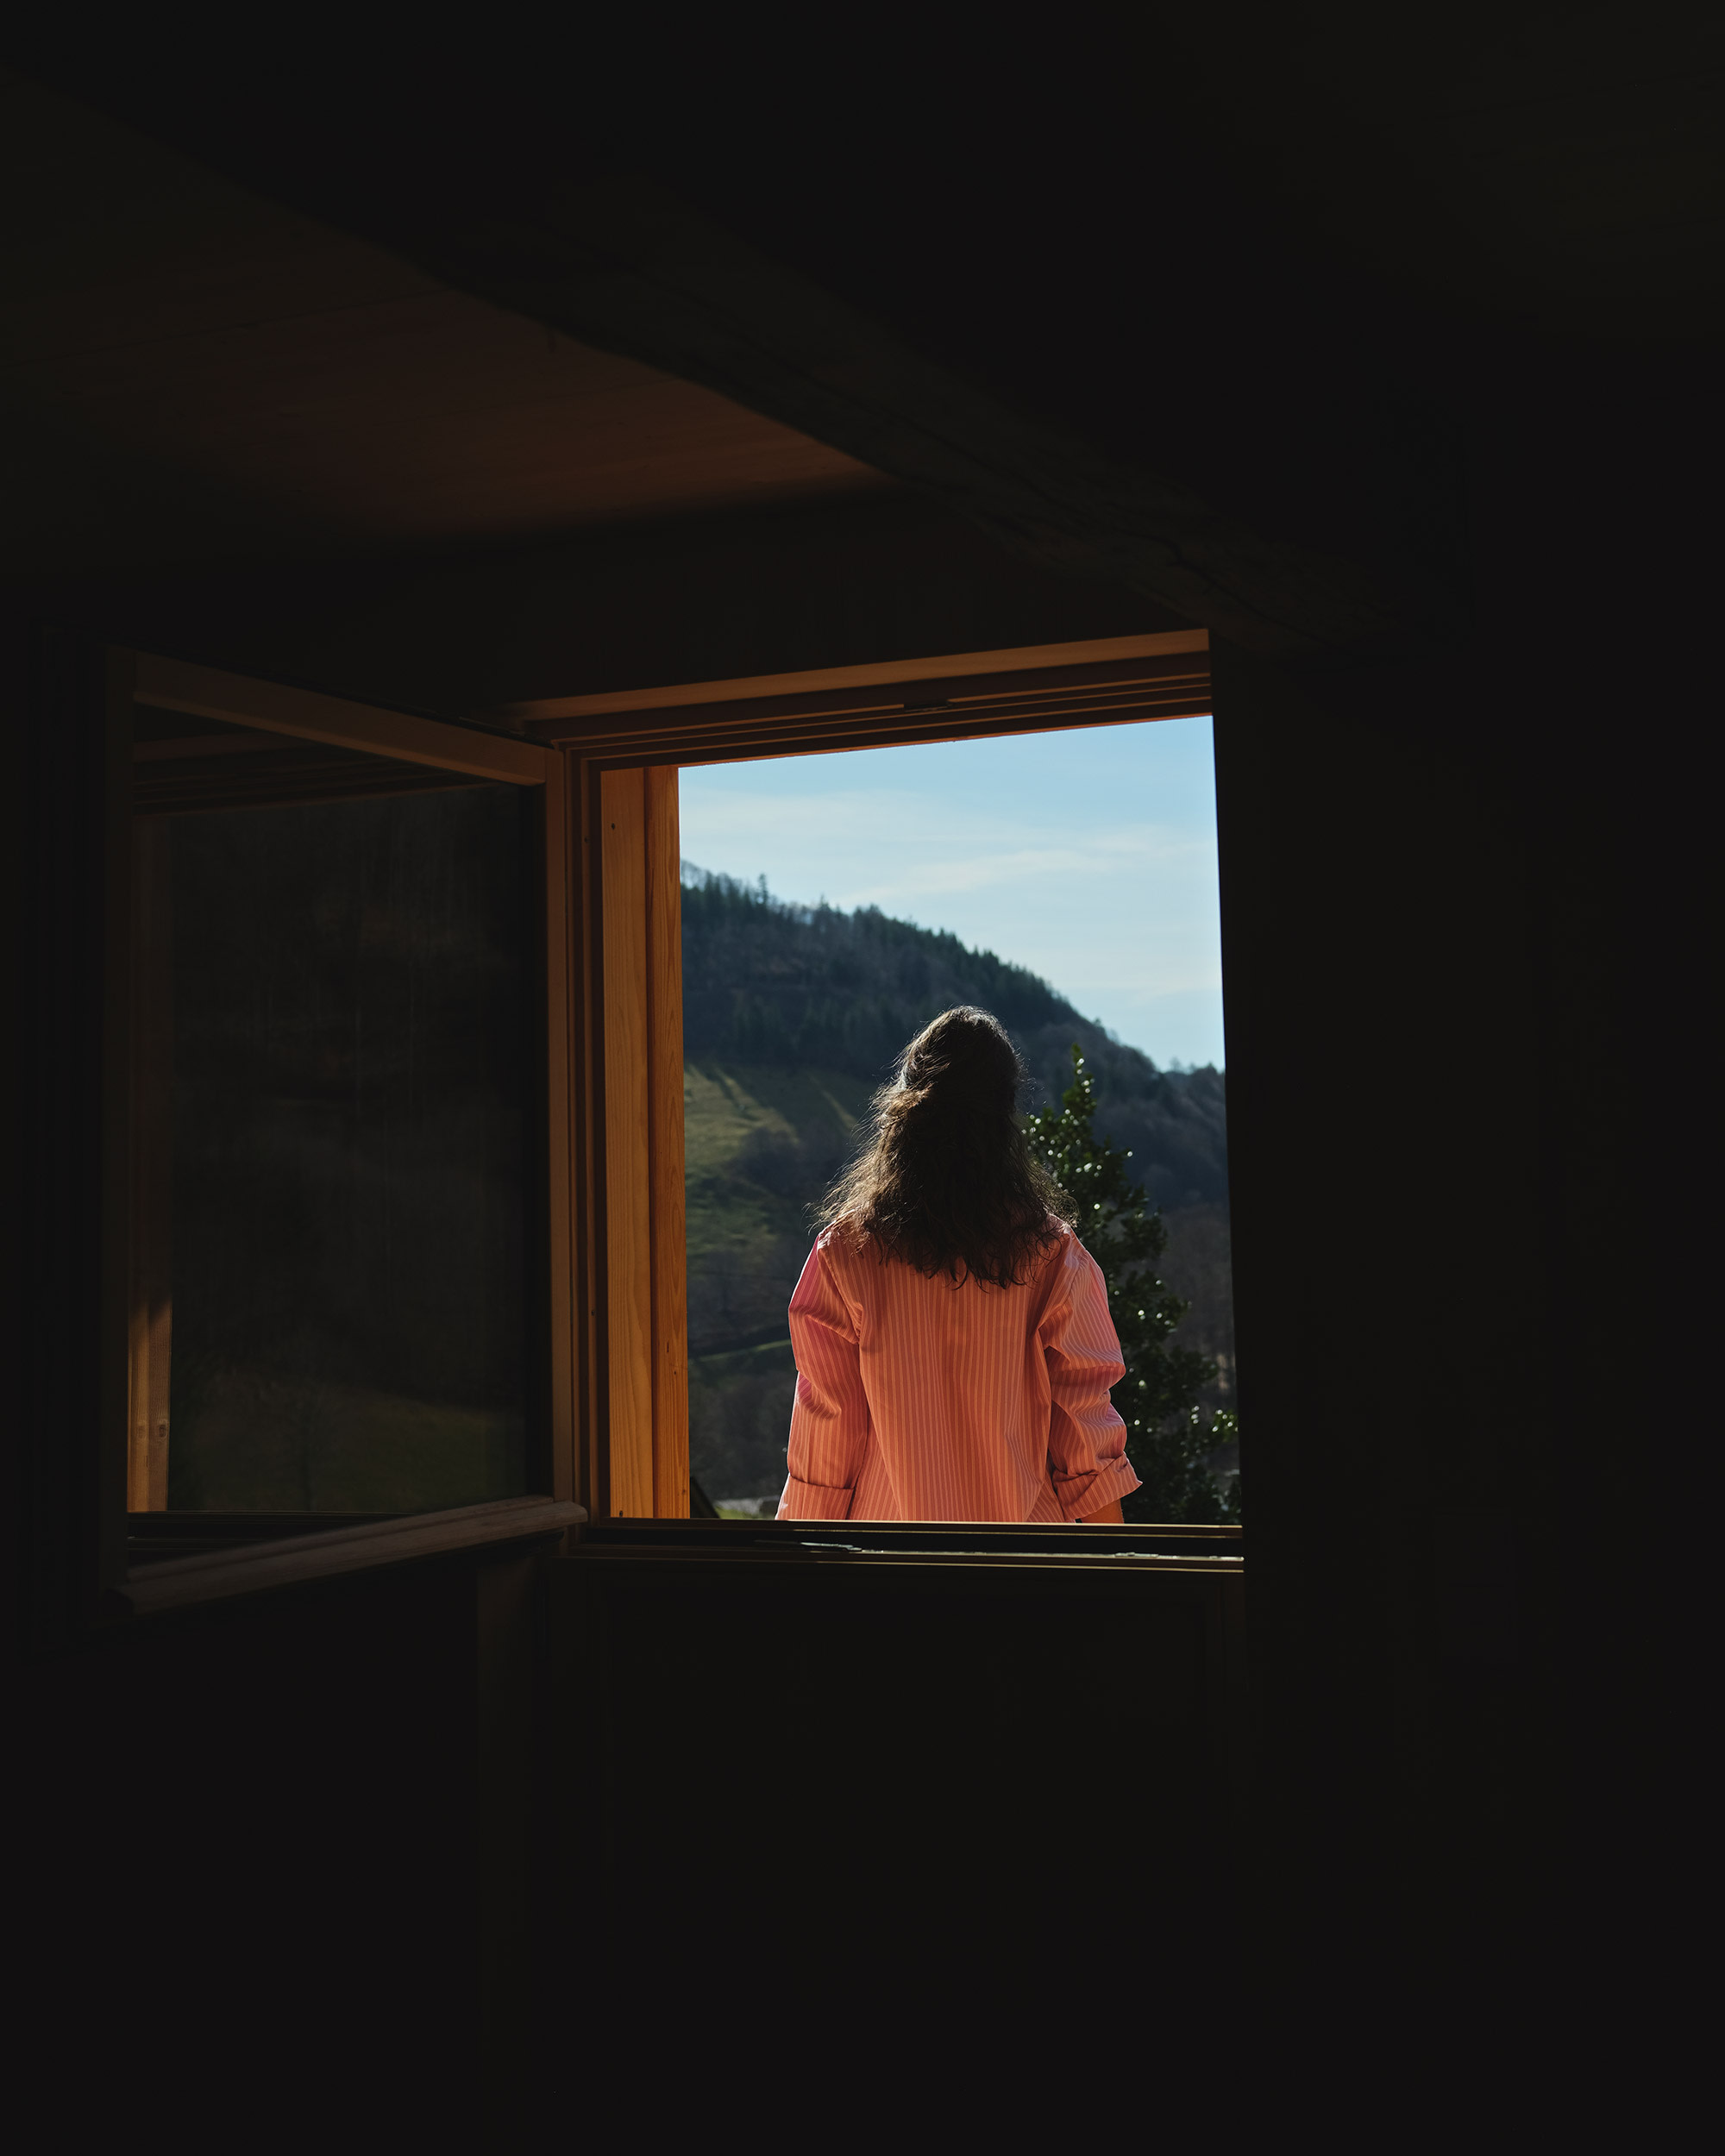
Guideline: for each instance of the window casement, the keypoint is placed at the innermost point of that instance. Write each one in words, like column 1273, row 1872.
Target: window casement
column 213, row 748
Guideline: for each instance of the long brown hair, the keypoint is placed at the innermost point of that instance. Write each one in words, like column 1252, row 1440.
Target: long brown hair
column 944, row 1179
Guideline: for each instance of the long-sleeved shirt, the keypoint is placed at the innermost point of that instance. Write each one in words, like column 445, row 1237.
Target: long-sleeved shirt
column 918, row 1399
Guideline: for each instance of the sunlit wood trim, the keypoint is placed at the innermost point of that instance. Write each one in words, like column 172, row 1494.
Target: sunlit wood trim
column 585, row 914
column 666, row 1152
column 1028, row 658
column 645, row 1470
column 968, row 708
column 628, row 1191
column 236, row 700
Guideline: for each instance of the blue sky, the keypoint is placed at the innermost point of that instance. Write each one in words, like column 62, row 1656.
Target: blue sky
column 1089, row 856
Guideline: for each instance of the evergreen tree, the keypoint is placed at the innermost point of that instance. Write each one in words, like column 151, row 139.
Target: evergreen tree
column 1168, row 1438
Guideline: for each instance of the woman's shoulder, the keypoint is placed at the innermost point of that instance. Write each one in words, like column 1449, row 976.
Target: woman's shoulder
column 841, row 1242
column 1066, row 1258
column 1059, row 1250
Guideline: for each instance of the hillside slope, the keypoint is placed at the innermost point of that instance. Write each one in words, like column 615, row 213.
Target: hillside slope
column 792, row 1016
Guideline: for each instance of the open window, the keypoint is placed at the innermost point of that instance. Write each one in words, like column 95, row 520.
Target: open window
column 350, row 1253
column 406, row 1195
column 625, row 749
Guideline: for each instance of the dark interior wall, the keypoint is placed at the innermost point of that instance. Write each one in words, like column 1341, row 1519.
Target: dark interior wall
column 68, row 895
column 814, row 1803
column 1390, row 1294
column 1485, row 877
column 254, row 1833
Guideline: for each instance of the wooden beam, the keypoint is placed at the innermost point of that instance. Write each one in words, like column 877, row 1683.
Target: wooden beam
column 236, row 700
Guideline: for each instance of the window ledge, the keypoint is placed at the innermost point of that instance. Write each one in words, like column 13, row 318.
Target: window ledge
column 176, row 1583
column 1215, row 1551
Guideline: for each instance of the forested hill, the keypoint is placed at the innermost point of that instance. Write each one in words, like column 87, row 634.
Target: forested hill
column 766, row 982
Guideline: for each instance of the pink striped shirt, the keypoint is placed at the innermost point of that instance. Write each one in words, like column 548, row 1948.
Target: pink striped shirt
column 920, row 1399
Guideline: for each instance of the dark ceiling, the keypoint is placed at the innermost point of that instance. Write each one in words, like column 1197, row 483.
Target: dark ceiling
column 190, row 373
column 1225, row 306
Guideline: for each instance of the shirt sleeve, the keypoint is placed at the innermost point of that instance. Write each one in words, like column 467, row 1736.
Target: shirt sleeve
column 830, row 1419
column 1087, row 1440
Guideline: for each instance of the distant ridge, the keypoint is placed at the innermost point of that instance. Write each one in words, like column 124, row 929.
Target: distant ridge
column 767, row 981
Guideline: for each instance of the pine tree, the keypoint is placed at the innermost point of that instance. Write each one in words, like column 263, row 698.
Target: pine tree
column 1168, row 1436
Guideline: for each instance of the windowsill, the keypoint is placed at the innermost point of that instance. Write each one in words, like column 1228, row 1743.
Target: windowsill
column 291, row 1560
column 1214, row 1551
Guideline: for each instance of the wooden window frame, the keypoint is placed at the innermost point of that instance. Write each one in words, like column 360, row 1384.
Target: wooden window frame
column 625, row 748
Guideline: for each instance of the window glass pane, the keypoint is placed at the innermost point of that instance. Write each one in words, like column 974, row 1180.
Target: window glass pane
column 345, row 1073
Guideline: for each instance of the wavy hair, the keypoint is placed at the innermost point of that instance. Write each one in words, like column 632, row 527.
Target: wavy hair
column 944, row 1179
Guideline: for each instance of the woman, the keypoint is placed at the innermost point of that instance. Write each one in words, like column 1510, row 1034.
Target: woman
column 954, row 1348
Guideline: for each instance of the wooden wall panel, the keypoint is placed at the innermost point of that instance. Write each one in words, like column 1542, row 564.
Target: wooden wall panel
column 665, row 1094
column 627, row 1193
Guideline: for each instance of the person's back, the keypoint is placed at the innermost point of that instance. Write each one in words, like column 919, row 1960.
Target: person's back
column 953, row 1349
